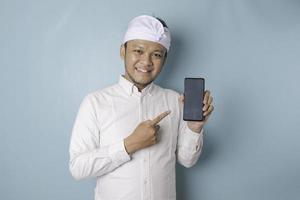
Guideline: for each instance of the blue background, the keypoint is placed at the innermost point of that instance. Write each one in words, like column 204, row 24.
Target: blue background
column 52, row 53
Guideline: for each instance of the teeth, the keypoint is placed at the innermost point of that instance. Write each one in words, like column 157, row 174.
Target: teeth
column 142, row 70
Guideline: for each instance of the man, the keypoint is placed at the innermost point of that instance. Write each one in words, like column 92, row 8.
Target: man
column 129, row 135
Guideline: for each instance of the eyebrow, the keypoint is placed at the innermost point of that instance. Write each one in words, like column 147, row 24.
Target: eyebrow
column 141, row 46
column 160, row 51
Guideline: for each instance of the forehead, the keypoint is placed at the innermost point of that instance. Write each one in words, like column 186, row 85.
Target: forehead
column 146, row 45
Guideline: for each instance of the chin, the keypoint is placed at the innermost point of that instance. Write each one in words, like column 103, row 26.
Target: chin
column 143, row 82
column 141, row 79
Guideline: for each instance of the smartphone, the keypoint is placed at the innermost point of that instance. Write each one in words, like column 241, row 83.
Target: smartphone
column 193, row 99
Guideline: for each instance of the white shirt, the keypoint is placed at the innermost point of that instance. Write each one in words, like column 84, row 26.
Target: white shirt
column 106, row 117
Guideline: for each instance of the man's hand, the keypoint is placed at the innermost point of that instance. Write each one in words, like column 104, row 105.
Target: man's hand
column 144, row 135
column 196, row 126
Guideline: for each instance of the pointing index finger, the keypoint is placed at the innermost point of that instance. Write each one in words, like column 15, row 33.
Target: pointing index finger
column 157, row 119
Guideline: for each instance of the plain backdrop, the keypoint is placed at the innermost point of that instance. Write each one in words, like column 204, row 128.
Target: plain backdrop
column 54, row 52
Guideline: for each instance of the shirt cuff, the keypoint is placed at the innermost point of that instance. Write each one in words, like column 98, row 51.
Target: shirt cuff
column 193, row 139
column 118, row 153
column 193, row 135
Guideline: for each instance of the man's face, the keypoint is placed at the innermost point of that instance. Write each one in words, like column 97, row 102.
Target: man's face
column 143, row 61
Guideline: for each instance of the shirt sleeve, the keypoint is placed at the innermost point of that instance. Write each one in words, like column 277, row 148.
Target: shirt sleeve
column 87, row 159
column 189, row 143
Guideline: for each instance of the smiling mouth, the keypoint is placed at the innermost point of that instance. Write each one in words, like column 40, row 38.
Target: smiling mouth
column 143, row 70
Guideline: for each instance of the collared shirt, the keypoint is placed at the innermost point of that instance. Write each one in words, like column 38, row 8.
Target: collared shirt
column 106, row 117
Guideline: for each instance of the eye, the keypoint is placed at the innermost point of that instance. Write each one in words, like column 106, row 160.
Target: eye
column 138, row 51
column 157, row 55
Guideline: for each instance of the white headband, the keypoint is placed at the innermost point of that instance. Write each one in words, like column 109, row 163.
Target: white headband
column 146, row 27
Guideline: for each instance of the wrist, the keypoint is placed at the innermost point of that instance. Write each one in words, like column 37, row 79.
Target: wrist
column 196, row 129
column 129, row 146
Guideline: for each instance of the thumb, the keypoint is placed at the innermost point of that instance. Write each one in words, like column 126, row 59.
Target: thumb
column 181, row 98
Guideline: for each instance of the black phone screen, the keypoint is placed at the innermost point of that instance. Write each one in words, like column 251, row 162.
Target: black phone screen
column 193, row 99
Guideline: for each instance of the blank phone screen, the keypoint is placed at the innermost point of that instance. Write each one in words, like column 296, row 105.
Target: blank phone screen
column 193, row 99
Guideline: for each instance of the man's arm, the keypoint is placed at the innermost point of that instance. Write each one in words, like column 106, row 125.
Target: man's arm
column 190, row 138
column 189, row 145
column 86, row 158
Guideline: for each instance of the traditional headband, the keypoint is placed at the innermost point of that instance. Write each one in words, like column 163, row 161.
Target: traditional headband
column 146, row 27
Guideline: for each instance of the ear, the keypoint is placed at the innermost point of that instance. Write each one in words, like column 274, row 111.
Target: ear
column 122, row 51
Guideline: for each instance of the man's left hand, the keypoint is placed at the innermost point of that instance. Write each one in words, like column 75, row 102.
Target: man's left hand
column 196, row 126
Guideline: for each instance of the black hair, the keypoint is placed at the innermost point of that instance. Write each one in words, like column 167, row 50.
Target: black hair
column 162, row 22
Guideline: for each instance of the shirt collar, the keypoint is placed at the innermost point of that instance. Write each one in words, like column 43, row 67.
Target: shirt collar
column 131, row 89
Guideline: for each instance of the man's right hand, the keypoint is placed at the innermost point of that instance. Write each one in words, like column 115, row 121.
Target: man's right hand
column 144, row 135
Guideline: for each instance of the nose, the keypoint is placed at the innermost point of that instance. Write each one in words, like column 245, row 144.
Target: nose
column 146, row 60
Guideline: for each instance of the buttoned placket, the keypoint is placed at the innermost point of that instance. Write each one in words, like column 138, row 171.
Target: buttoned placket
column 145, row 162
column 141, row 98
